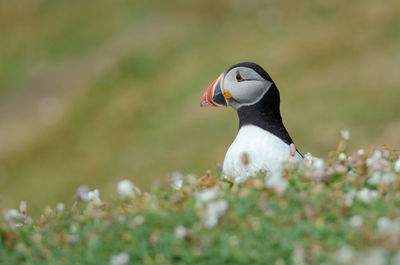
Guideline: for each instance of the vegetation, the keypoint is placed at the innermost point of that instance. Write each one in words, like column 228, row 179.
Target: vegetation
column 340, row 211
column 93, row 92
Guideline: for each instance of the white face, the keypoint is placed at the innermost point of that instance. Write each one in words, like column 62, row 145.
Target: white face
column 245, row 86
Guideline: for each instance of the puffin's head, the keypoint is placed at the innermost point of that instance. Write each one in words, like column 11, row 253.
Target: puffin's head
column 240, row 85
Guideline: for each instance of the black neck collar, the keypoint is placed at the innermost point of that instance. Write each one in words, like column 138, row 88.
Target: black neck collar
column 266, row 115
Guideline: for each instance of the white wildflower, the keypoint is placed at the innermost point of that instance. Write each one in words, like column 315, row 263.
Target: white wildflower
column 386, row 226
column 342, row 156
column 191, row 178
column 361, row 152
column 125, row 189
column 352, row 172
column 181, row 232
column 345, row 255
column 214, row 211
column 94, row 197
column 120, row 259
column 93, row 194
column 13, row 215
column 375, row 256
column 349, row 197
column 366, row 195
column 356, row 221
column 308, row 158
column 397, row 165
column 376, row 156
column 206, row 195
column 388, row 178
column 82, row 193
column 176, row 180
column 318, row 163
column 60, row 207
column 298, row 255
column 276, row 182
column 375, row 178
column 379, row 177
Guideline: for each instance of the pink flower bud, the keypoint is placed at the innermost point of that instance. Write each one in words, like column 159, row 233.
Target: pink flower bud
column 23, row 207
column 292, row 149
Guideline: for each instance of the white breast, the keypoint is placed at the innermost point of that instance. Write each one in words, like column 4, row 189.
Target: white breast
column 255, row 149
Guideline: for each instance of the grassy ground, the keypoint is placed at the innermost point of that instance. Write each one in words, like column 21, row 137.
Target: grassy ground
column 343, row 211
column 93, row 92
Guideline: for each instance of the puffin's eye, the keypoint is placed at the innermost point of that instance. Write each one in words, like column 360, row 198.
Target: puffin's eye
column 239, row 77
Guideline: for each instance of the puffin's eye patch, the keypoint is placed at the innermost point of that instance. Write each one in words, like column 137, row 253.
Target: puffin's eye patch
column 239, row 78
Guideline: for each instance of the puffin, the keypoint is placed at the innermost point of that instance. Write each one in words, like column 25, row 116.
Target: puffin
column 262, row 143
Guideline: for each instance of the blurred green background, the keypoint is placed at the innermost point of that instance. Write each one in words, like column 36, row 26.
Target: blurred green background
column 92, row 92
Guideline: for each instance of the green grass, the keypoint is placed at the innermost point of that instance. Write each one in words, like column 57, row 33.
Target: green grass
column 311, row 221
column 130, row 77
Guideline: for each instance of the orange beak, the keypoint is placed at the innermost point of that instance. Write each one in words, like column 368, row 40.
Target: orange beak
column 214, row 95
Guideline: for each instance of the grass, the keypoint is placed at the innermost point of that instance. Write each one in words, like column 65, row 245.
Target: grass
column 332, row 212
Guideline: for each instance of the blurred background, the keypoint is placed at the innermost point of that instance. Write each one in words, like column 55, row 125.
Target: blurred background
column 92, row 92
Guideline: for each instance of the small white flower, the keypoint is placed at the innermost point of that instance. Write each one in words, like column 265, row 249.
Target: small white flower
column 82, row 193
column 375, row 178
column 388, row 178
column 345, row 255
column 397, row 165
column 374, row 158
column 379, row 177
column 206, row 195
column 384, row 226
column 342, row 156
column 349, row 197
column 374, row 256
column 298, row 255
column 125, row 189
column 93, row 194
column 214, row 211
column 94, row 197
column 318, row 163
column 60, row 207
column 356, row 221
column 176, row 180
column 12, row 215
column 366, row 195
column 361, row 152
column 276, row 182
column 191, row 178
column 308, row 158
column 181, row 232
column 120, row 259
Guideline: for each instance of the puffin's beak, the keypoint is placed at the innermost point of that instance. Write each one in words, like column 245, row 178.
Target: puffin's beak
column 214, row 95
